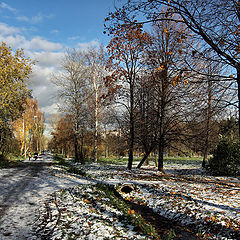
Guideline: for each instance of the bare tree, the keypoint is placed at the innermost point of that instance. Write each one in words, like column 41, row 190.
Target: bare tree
column 96, row 60
column 125, row 55
column 163, row 89
column 214, row 23
column 71, row 83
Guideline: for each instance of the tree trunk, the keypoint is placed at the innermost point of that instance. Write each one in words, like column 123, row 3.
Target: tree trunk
column 130, row 153
column 22, row 148
column 131, row 141
column 143, row 159
column 81, row 155
column 160, row 154
column 76, row 145
column 24, row 138
column 146, row 154
column 76, row 129
column 37, row 142
column 76, row 148
column 238, row 83
column 209, row 115
column 96, row 117
column 161, row 143
column 204, row 157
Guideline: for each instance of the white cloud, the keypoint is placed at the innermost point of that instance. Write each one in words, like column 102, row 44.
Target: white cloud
column 47, row 54
column 38, row 43
column 47, row 59
column 53, row 109
column 40, row 76
column 6, row 6
column 11, row 35
column 43, row 88
column 13, row 41
column 35, row 19
column 7, row 30
column 74, row 38
column 45, row 94
column 85, row 45
column 22, row 18
column 54, row 31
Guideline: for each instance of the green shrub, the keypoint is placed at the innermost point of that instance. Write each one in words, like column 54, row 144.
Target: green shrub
column 226, row 158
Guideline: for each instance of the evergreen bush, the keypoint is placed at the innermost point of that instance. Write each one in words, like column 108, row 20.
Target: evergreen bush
column 226, row 158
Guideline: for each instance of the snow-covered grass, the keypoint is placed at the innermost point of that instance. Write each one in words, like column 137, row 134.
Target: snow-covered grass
column 85, row 212
column 186, row 194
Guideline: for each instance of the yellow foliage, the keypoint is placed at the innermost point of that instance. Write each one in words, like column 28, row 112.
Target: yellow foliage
column 165, row 30
column 161, row 68
column 29, row 125
column 14, row 70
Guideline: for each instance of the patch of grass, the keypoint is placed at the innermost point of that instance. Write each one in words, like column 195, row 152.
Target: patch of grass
column 183, row 160
column 170, row 235
column 112, row 160
column 8, row 163
column 68, row 166
column 18, row 158
column 152, row 160
column 135, row 218
column 59, row 159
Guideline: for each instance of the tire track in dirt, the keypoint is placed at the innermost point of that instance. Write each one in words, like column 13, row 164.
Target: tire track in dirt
column 15, row 195
column 14, row 171
column 15, row 192
column 23, row 190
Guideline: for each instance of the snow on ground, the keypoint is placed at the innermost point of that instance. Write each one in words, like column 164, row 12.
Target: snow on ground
column 84, row 212
column 72, row 207
column 22, row 190
column 186, row 193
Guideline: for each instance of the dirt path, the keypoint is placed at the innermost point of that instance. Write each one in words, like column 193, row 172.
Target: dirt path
column 21, row 191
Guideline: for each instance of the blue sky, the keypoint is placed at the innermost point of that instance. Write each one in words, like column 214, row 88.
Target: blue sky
column 65, row 22
column 44, row 29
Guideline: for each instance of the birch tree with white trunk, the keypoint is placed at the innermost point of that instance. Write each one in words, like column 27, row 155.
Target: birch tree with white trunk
column 95, row 59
